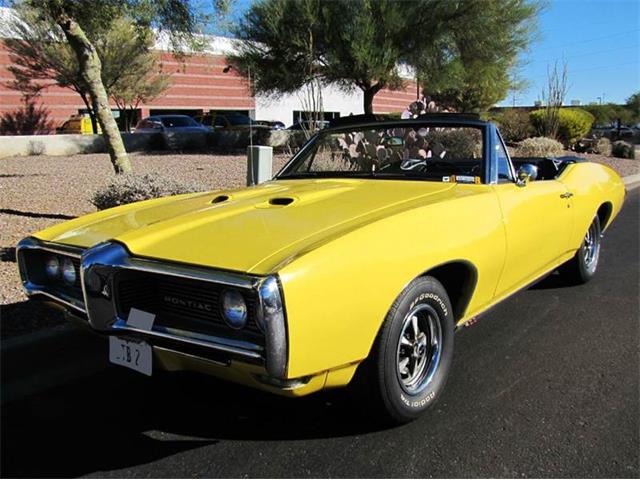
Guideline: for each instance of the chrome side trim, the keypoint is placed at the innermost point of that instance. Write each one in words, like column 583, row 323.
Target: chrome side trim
column 32, row 288
column 489, row 308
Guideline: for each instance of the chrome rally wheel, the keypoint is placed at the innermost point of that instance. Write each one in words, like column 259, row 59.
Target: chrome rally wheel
column 582, row 267
column 591, row 247
column 419, row 346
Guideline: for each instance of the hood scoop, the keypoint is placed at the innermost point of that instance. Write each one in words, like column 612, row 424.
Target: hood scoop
column 220, row 199
column 281, row 201
column 276, row 202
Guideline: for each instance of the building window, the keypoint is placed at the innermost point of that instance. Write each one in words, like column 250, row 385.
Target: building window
column 301, row 115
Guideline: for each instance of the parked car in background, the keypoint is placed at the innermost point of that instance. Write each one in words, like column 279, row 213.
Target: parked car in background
column 228, row 121
column 622, row 132
column 78, row 124
column 169, row 124
column 272, row 124
column 354, row 265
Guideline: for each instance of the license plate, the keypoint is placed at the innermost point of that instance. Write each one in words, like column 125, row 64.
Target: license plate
column 134, row 355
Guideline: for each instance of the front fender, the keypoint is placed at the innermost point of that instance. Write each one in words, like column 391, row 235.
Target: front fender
column 338, row 295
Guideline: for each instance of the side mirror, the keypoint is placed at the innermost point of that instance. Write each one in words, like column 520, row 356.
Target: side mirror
column 526, row 173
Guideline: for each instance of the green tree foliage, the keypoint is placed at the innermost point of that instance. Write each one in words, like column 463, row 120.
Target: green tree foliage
column 141, row 81
column 473, row 65
column 514, row 124
column 609, row 113
column 41, row 56
column 362, row 43
column 573, row 123
column 82, row 23
column 633, row 107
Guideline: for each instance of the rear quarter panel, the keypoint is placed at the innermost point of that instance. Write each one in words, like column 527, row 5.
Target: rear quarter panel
column 593, row 185
column 338, row 294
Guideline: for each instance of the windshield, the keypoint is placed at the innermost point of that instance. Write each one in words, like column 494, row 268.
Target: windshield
column 178, row 121
column 437, row 153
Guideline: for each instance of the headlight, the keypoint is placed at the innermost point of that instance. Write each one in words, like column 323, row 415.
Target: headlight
column 234, row 309
column 68, row 271
column 52, row 267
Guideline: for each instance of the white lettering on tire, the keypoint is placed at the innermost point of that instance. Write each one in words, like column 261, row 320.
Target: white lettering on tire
column 417, row 403
column 431, row 296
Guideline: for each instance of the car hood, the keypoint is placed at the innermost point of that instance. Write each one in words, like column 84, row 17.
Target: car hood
column 256, row 229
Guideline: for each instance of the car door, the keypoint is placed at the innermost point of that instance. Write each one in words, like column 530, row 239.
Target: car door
column 537, row 219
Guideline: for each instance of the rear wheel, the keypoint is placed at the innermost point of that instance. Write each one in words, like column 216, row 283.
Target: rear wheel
column 412, row 355
column 582, row 267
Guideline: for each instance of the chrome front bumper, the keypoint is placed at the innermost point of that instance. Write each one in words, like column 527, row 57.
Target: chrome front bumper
column 98, row 267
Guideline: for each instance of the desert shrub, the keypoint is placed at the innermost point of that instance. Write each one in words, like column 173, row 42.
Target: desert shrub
column 603, row 146
column 573, row 123
column 539, row 147
column 462, row 143
column 514, row 124
column 30, row 119
column 131, row 188
column 622, row 149
column 599, row 145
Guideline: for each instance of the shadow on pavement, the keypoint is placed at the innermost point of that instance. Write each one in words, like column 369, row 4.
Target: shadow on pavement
column 23, row 317
column 119, row 419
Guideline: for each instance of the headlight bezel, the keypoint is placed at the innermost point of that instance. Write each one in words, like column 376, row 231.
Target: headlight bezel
column 272, row 320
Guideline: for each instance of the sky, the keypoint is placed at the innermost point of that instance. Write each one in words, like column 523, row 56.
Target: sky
column 599, row 40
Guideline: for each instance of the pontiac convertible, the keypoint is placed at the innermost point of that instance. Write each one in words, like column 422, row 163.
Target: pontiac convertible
column 354, row 265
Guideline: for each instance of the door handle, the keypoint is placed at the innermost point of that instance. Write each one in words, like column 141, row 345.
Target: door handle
column 566, row 195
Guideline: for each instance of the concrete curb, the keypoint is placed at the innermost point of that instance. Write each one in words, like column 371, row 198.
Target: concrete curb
column 631, row 181
column 55, row 356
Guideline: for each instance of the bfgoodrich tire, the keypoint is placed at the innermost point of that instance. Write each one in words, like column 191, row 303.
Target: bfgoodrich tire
column 411, row 358
column 582, row 267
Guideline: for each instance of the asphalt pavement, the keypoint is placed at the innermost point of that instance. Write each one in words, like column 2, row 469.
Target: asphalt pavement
column 546, row 385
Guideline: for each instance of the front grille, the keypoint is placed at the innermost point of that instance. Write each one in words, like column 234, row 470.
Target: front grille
column 182, row 303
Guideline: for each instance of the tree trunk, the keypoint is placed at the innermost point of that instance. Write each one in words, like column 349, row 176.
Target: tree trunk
column 369, row 93
column 90, row 69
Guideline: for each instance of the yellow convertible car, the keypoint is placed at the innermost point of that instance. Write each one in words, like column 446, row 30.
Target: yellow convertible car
column 354, row 265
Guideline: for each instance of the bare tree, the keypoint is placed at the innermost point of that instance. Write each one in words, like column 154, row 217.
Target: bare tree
column 553, row 97
column 310, row 97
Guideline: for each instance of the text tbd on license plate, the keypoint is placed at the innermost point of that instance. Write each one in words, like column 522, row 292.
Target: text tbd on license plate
column 135, row 355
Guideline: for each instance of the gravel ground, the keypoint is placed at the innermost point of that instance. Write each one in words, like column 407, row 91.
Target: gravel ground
column 623, row 166
column 36, row 192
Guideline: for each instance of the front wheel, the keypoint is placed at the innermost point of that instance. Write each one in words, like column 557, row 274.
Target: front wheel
column 412, row 355
column 582, row 267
